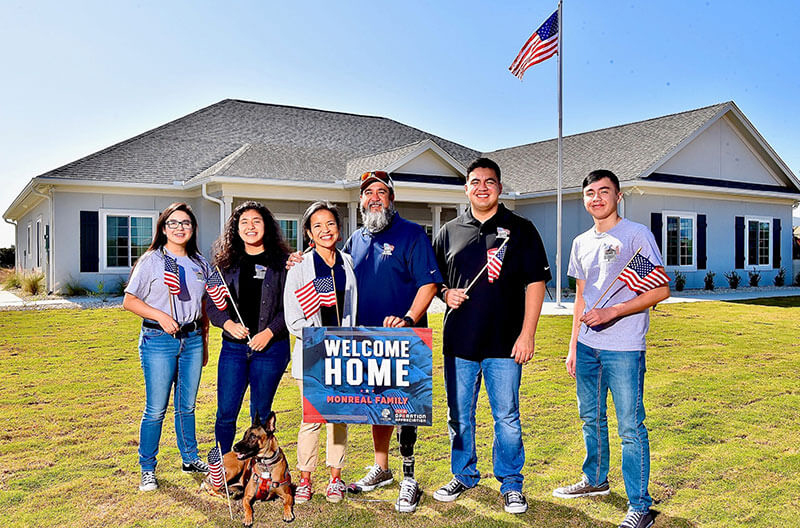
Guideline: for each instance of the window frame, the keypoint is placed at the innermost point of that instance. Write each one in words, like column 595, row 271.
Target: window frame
column 769, row 221
column 39, row 244
column 292, row 218
column 664, row 242
column 103, row 229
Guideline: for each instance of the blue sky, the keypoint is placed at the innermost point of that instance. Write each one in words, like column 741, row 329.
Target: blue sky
column 80, row 76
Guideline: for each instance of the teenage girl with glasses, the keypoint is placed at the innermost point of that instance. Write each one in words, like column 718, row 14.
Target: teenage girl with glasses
column 166, row 289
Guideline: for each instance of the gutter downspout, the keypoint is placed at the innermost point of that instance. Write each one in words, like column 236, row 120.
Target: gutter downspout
column 221, row 207
column 16, row 242
column 50, row 245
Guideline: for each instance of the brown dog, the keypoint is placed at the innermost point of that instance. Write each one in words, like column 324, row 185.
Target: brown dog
column 258, row 466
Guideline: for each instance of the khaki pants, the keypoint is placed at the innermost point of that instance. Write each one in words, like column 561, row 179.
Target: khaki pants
column 308, row 443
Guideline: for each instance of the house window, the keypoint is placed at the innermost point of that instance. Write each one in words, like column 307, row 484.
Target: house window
column 38, row 242
column 759, row 239
column 28, row 244
column 680, row 231
column 290, row 232
column 127, row 236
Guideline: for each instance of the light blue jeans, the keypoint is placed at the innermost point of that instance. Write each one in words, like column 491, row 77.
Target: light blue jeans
column 462, row 379
column 169, row 363
column 597, row 372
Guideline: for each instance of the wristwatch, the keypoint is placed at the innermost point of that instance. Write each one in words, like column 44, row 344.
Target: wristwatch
column 409, row 321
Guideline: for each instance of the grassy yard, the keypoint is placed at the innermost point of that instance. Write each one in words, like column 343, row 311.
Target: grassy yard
column 722, row 395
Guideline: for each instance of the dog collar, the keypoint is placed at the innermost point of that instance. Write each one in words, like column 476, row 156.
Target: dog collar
column 270, row 461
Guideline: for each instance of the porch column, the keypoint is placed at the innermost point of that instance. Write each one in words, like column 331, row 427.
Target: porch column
column 228, row 206
column 437, row 218
column 352, row 217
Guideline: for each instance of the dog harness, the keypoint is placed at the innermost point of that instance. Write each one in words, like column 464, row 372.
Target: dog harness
column 264, row 480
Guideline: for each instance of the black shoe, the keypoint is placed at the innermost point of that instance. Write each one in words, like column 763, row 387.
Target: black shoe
column 638, row 520
column 450, row 491
column 514, row 502
column 196, row 466
column 581, row 489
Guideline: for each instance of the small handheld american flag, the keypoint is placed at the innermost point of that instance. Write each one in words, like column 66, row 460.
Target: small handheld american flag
column 216, row 470
column 217, row 290
column 172, row 275
column 495, row 258
column 317, row 292
column 641, row 275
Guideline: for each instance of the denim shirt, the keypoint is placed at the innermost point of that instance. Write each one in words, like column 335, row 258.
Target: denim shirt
column 271, row 313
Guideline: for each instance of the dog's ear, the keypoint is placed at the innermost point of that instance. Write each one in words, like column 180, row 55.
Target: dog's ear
column 269, row 425
column 256, row 420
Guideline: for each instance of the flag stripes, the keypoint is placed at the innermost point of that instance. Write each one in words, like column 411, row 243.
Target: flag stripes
column 495, row 258
column 641, row 275
column 216, row 469
column 317, row 292
column 217, row 290
column 172, row 275
column 542, row 45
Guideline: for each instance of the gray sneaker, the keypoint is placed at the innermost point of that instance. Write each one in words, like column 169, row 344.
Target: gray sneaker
column 195, row 466
column 375, row 478
column 581, row 489
column 148, row 482
column 409, row 496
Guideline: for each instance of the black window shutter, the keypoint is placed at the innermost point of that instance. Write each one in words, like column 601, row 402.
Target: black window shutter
column 701, row 241
column 739, row 242
column 776, row 243
column 656, row 226
column 90, row 238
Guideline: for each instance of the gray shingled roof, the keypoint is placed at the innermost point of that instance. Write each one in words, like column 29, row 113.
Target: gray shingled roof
column 628, row 150
column 285, row 142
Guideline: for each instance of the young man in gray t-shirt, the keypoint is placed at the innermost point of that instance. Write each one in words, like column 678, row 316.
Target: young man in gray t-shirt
column 607, row 348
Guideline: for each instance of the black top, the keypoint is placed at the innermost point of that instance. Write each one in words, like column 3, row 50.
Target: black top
column 489, row 322
column 330, row 315
column 267, row 313
column 253, row 269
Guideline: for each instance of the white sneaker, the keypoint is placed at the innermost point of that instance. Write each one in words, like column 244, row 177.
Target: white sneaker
column 148, row 482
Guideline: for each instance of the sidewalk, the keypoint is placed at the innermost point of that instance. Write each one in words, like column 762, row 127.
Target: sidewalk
column 9, row 301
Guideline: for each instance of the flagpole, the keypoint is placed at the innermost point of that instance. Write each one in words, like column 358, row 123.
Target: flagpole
column 560, row 157
column 486, row 265
column 230, row 296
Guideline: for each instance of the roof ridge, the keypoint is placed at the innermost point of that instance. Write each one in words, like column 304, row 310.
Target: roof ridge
column 616, row 126
column 309, row 108
column 407, row 145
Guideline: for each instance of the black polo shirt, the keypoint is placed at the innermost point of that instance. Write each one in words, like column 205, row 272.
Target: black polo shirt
column 489, row 322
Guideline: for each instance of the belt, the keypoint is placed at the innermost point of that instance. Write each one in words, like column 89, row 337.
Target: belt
column 184, row 329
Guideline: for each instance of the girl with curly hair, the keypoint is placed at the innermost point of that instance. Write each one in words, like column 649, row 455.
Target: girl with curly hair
column 251, row 255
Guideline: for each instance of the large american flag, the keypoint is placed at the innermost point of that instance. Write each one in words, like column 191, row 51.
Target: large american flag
column 542, row 45
column 172, row 275
column 495, row 256
column 317, row 292
column 642, row 275
column 217, row 290
column 216, row 469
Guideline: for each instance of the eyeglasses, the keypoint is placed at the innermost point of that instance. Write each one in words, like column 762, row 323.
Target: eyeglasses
column 173, row 224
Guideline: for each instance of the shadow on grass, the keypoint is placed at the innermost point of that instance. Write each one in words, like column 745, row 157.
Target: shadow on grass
column 778, row 302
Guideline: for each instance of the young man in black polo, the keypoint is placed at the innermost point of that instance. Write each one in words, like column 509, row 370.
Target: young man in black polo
column 489, row 330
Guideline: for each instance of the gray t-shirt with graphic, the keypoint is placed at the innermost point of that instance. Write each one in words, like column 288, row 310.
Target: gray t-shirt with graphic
column 597, row 258
column 147, row 283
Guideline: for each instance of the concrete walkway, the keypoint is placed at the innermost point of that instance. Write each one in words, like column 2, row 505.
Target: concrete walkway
column 9, row 301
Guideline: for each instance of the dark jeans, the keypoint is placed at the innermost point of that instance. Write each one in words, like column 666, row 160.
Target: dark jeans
column 239, row 366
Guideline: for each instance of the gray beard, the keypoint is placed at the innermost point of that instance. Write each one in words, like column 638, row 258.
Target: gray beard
column 375, row 222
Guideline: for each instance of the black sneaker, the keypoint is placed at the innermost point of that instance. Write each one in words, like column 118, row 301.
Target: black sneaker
column 638, row 520
column 409, row 496
column 196, row 466
column 581, row 489
column 450, row 491
column 514, row 502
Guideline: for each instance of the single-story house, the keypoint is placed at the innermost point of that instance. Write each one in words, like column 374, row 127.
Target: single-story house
column 715, row 194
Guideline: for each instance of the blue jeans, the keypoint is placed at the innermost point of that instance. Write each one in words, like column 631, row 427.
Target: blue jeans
column 597, row 372
column 168, row 362
column 238, row 367
column 462, row 380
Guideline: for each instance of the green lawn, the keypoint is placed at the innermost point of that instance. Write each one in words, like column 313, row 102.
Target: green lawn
column 722, row 395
